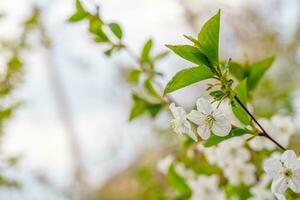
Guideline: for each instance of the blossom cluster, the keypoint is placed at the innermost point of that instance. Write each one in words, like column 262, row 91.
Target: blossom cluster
column 208, row 119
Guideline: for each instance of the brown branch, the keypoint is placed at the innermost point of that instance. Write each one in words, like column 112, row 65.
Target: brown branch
column 264, row 132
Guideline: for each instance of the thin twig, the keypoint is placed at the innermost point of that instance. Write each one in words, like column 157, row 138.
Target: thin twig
column 265, row 134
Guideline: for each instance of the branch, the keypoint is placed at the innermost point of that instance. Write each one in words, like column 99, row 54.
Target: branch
column 264, row 132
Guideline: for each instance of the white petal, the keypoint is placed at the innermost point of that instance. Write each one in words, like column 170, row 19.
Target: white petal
column 173, row 109
column 294, row 184
column 177, row 112
column 203, row 131
column 289, row 158
column 196, row 117
column 279, row 185
column 192, row 135
column 221, row 127
column 272, row 167
column 280, row 196
column 204, row 105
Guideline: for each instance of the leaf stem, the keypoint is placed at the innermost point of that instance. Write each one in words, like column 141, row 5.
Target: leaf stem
column 264, row 133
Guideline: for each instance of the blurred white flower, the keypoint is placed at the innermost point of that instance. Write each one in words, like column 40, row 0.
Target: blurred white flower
column 232, row 150
column 183, row 171
column 278, row 127
column 239, row 172
column 210, row 119
column 285, row 172
column 180, row 124
column 164, row 164
column 211, row 155
column 206, row 187
column 260, row 192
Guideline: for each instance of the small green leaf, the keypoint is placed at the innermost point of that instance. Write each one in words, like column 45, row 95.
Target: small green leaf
column 141, row 106
column 189, row 53
column 160, row 55
column 214, row 139
column 237, row 70
column 217, row 95
column 187, row 77
column 109, row 51
column 257, row 70
column 116, row 29
column 241, row 93
column 145, row 55
column 134, row 75
column 80, row 13
column 150, row 88
column 209, row 38
column 177, row 182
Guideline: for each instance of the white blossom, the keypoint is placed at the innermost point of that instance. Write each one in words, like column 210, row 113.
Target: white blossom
column 180, row 124
column 260, row 191
column 285, row 172
column 279, row 128
column 209, row 119
column 164, row 164
column 232, row 150
column 206, row 187
column 184, row 172
column 239, row 172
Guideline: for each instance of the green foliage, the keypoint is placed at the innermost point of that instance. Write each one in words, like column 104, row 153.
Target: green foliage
column 148, row 85
column 141, row 106
column 241, row 191
column 80, row 13
column 208, row 38
column 189, row 53
column 177, row 182
column 145, row 55
column 257, row 70
column 241, row 93
column 214, row 139
column 187, row 77
column 116, row 29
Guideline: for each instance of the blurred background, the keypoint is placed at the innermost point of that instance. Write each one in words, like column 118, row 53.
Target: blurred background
column 65, row 105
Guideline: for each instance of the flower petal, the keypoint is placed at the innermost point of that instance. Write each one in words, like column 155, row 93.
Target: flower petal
column 289, row 158
column 192, row 135
column 204, row 106
column 294, row 184
column 272, row 167
column 279, row 185
column 173, row 109
column 196, row 117
column 203, row 131
column 221, row 126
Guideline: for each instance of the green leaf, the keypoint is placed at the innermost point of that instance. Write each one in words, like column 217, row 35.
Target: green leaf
column 150, row 88
column 217, row 95
column 116, row 29
column 177, row 182
column 80, row 13
column 187, row 77
column 237, row 109
column 134, row 75
column 237, row 70
column 257, row 70
column 146, row 51
column 160, row 55
column 141, row 106
column 214, row 139
column 189, row 53
column 209, row 38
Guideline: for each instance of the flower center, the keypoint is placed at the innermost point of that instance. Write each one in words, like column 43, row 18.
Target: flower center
column 209, row 120
column 287, row 173
column 175, row 125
